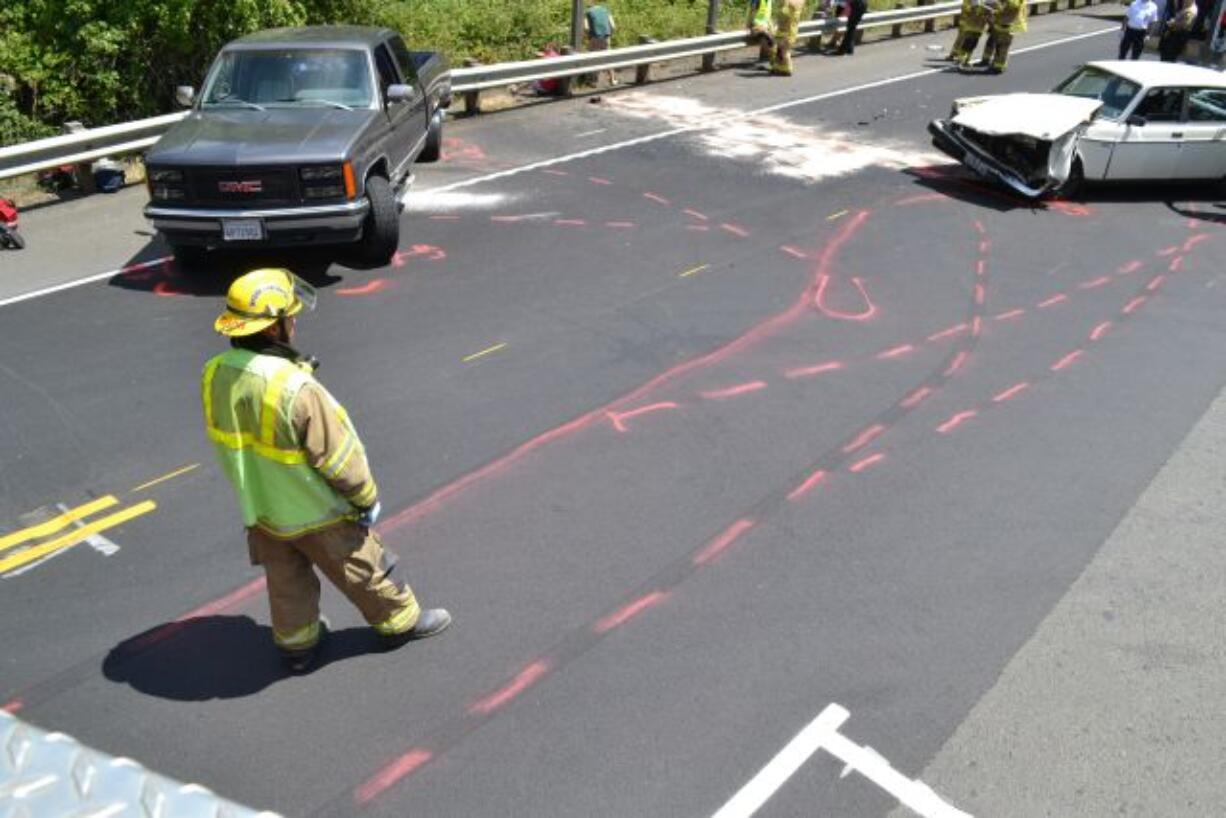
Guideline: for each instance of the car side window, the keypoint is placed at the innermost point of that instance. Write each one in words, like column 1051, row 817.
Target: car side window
column 1207, row 105
column 386, row 69
column 1161, row 105
column 404, row 59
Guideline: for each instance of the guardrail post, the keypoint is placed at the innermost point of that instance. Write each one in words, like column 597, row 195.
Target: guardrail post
column 576, row 24
column 85, row 179
column 642, row 73
column 1053, row 7
column 708, row 60
column 930, row 25
column 472, row 99
column 566, row 84
column 896, row 29
column 815, row 42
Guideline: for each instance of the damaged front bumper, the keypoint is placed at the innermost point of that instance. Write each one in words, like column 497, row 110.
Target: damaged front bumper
column 948, row 141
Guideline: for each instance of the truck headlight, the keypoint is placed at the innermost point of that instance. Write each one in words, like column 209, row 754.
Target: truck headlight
column 323, row 191
column 165, row 175
column 325, row 173
column 166, row 192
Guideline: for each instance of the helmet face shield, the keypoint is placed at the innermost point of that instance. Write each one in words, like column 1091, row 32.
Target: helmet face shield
column 305, row 293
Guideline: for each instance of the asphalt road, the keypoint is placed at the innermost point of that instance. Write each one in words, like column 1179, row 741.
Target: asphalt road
column 730, row 419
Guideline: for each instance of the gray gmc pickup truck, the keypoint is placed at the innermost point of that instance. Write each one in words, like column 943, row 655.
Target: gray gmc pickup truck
column 299, row 137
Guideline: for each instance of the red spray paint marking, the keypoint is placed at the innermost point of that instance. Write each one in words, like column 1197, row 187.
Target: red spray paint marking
column 981, row 268
column 429, row 251
column 1100, row 330
column 947, row 333
column 864, row 438
column 697, row 228
column 553, row 172
column 1005, row 316
column 444, row 218
column 976, row 326
column 1194, row 240
column 1168, row 251
column 915, row 397
column 792, row 251
column 1094, row 282
column 570, row 222
column 734, row 391
column 979, row 228
column 12, row 706
column 368, row 288
column 1067, row 360
column 1155, row 282
column 1012, row 391
column 765, row 328
column 1130, row 267
column 230, row 600
column 1132, row 305
column 1051, row 302
column 956, row 421
column 956, row 364
column 924, row 197
column 619, row 418
column 979, row 294
column 810, row 371
column 505, row 218
column 625, row 614
column 164, row 261
column 599, row 180
column 523, row 680
column 807, row 486
column 984, row 246
column 400, row 768
column 398, row 259
column 734, row 229
column 819, row 301
column 619, row 224
column 455, row 148
column 656, row 197
column 695, row 214
column 1176, row 264
column 1070, row 209
column 895, row 352
column 725, row 539
column 866, row 463
column 167, row 290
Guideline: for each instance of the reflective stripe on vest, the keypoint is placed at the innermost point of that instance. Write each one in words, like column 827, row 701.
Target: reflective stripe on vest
column 762, row 16
column 248, row 404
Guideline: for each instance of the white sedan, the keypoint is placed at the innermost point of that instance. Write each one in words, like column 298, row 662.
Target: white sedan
column 1111, row 120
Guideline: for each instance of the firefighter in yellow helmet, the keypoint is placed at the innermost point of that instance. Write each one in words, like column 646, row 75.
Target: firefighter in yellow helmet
column 1010, row 19
column 304, row 486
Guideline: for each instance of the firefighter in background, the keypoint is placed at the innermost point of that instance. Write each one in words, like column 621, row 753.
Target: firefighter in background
column 307, row 496
column 1009, row 19
column 790, row 12
column 973, row 20
column 761, row 28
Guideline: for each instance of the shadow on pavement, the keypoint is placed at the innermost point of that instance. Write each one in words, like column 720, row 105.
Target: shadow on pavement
column 1215, row 217
column 216, row 657
column 152, row 270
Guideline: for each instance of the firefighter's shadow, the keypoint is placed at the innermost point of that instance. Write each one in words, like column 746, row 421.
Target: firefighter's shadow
column 216, row 657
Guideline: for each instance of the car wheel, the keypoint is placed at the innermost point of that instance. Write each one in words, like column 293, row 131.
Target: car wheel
column 381, row 230
column 14, row 240
column 1075, row 182
column 434, row 141
column 190, row 258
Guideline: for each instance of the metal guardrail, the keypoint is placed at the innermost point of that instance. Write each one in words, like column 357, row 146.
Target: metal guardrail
column 131, row 137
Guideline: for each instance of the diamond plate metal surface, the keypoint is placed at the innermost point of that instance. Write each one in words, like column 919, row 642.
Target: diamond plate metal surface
column 50, row 774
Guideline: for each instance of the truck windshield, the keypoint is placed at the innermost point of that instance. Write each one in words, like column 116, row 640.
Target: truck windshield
column 286, row 77
column 1095, row 83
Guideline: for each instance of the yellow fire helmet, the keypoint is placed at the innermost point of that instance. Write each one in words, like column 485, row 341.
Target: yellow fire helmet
column 257, row 299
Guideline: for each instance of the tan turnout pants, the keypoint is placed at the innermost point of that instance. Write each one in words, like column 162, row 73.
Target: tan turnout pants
column 352, row 558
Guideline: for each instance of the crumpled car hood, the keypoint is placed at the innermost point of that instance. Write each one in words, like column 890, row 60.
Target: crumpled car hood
column 1039, row 116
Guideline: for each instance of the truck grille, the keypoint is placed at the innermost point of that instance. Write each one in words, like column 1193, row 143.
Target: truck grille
column 240, row 186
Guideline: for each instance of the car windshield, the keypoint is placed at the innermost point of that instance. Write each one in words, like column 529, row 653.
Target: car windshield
column 1095, row 83
column 338, row 78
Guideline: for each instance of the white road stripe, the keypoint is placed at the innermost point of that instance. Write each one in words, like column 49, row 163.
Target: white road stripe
column 823, row 734
column 606, row 149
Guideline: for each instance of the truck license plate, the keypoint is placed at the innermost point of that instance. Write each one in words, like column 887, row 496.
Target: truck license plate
column 976, row 164
column 242, row 229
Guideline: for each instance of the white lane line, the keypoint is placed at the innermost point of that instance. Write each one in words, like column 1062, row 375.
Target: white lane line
column 590, row 133
column 97, row 542
column 607, row 148
column 709, row 124
column 823, row 734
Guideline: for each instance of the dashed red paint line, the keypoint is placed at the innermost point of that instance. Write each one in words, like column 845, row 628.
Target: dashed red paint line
column 956, row 363
column 726, row 538
column 523, row 680
column 402, row 767
column 734, row 229
column 792, row 251
column 1012, row 391
column 1100, row 330
column 599, row 180
column 570, row 222
column 622, row 225
column 1132, row 305
column 864, row 438
column 1168, row 251
column 697, row 228
column 553, row 172
column 1194, row 240
column 444, row 218
column 810, row 371
column 895, row 352
column 628, row 612
column 866, row 463
column 807, row 486
column 618, row 418
column 1094, row 282
column 956, row 421
column 1130, row 267
column 734, row 391
column 1067, row 360
column 695, row 214
column 230, row 600
column 981, row 268
column 1005, row 316
column 979, row 228
column 1054, row 300
column 976, row 326
column 1155, row 282
column 1176, row 264
column 984, row 246
column 948, row 333
column 656, row 197
column 980, row 294
column 915, row 397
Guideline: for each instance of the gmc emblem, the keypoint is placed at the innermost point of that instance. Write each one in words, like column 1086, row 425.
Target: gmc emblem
column 241, row 187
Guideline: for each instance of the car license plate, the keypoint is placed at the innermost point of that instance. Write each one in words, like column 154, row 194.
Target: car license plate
column 242, row 229
column 978, row 165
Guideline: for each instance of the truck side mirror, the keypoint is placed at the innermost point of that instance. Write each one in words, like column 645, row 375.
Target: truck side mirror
column 400, row 93
column 1135, row 120
column 185, row 95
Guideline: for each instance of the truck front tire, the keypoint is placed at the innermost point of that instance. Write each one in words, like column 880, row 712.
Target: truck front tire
column 381, row 230
column 434, row 140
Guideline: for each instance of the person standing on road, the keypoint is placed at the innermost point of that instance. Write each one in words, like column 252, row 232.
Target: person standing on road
column 1178, row 31
column 975, row 18
column 1008, row 21
column 855, row 11
column 1140, row 18
column 599, row 26
column 304, row 486
column 790, row 12
column 761, row 28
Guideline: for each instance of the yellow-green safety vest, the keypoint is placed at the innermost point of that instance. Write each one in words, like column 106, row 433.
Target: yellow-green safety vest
column 762, row 15
column 248, row 413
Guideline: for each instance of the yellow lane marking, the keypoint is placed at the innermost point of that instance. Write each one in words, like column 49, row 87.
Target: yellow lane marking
column 172, row 475
column 72, row 538
column 838, row 215
column 56, row 523
column 689, row 273
column 484, row 352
